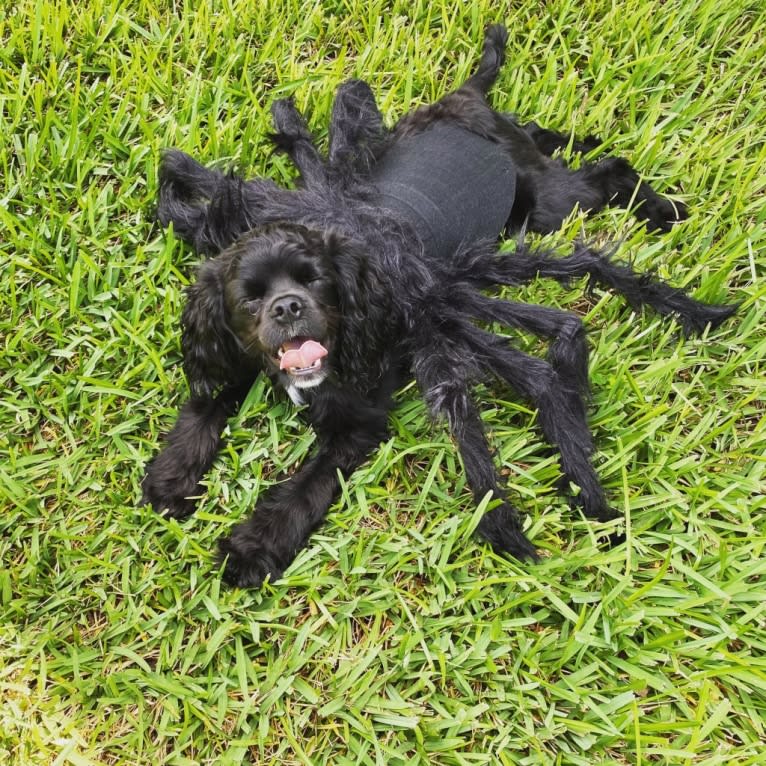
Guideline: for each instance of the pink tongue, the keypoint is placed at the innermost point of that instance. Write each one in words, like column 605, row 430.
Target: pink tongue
column 302, row 357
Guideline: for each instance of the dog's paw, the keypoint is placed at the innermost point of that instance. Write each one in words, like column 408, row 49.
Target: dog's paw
column 172, row 497
column 172, row 506
column 663, row 214
column 247, row 565
column 597, row 510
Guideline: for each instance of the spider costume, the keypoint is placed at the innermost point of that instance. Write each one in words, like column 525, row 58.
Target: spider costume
column 375, row 270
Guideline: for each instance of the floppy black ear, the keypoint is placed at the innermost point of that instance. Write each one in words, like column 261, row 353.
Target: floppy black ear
column 351, row 265
column 364, row 332
column 212, row 355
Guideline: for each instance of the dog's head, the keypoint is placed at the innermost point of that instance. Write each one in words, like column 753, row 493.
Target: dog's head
column 272, row 301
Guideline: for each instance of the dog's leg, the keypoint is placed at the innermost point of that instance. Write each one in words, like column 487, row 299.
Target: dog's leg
column 620, row 185
column 639, row 289
column 172, row 480
column 557, row 191
column 549, row 141
column 265, row 545
column 467, row 106
column 595, row 185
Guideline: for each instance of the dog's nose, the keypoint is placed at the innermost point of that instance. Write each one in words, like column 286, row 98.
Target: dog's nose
column 287, row 308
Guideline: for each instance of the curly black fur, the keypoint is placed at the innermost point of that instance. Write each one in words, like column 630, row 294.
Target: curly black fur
column 340, row 299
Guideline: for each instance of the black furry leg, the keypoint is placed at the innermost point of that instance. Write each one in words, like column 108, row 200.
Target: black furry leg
column 561, row 412
column 568, row 352
column 356, row 130
column 294, row 138
column 638, row 289
column 621, row 185
column 186, row 188
column 171, row 483
column 445, row 388
column 549, row 141
column 210, row 210
column 557, row 190
column 356, row 127
column 611, row 181
column 265, row 545
column 500, row 526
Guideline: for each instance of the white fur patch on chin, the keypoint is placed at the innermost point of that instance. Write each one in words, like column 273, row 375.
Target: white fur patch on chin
column 297, row 384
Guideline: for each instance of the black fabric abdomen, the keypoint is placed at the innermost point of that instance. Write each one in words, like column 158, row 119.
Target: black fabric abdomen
column 450, row 185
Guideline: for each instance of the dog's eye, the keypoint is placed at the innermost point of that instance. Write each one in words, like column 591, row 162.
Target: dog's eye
column 313, row 277
column 253, row 307
column 307, row 274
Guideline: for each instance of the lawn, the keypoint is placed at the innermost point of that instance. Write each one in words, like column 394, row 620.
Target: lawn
column 396, row 637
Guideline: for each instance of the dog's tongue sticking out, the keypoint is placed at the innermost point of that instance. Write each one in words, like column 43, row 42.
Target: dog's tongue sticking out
column 301, row 356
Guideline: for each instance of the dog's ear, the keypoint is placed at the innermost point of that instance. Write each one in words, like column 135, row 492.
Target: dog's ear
column 350, row 264
column 211, row 351
column 364, row 332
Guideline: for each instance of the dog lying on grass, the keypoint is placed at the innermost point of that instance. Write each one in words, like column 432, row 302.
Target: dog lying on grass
column 375, row 270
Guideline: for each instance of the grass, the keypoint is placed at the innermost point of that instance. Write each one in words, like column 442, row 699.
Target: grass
column 395, row 638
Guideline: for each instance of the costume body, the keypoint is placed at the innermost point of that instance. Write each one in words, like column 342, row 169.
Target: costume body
column 452, row 186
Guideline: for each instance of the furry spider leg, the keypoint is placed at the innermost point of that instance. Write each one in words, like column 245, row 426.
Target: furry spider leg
column 445, row 375
column 561, row 411
column 485, row 269
column 568, row 351
column 210, row 209
column 356, row 128
column 293, row 137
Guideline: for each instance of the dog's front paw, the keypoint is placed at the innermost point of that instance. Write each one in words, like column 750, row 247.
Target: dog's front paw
column 168, row 504
column 594, row 509
column 247, row 564
column 170, row 495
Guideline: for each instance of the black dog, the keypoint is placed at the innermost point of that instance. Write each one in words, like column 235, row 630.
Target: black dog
column 373, row 271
